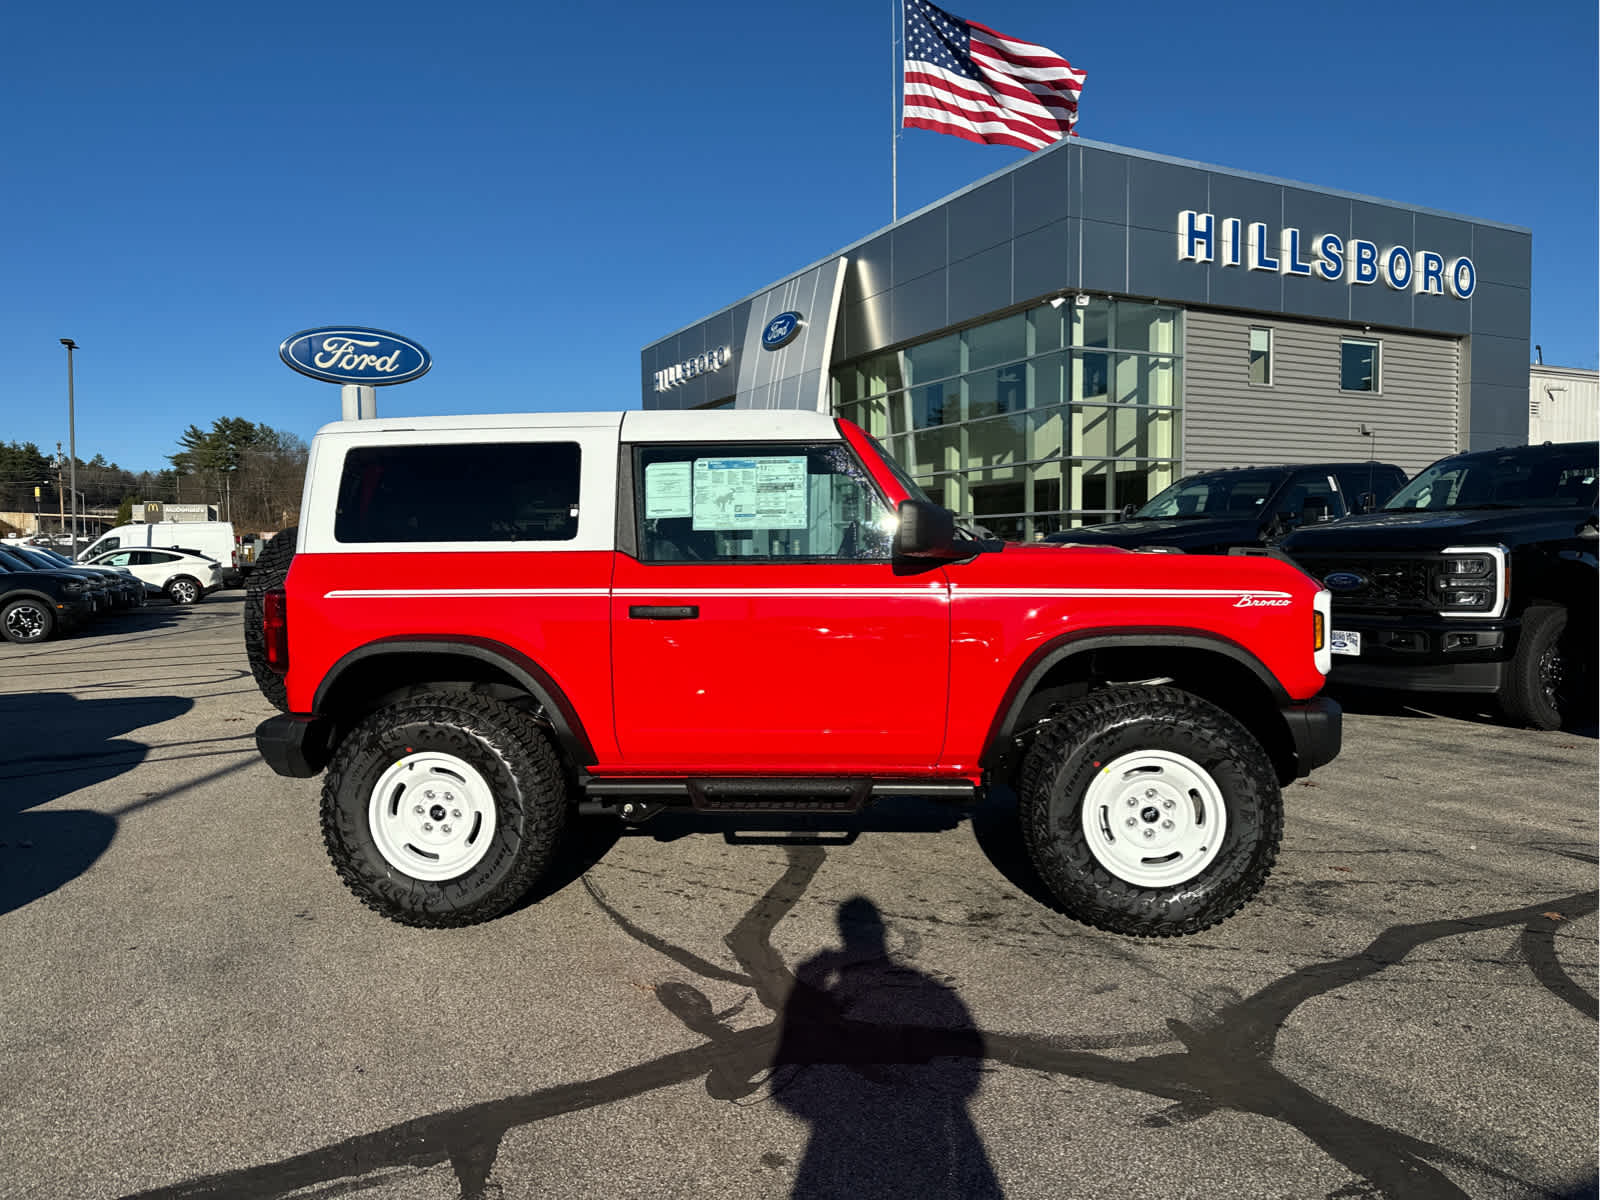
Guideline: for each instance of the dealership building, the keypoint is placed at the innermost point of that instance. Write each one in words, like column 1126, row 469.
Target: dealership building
column 1076, row 331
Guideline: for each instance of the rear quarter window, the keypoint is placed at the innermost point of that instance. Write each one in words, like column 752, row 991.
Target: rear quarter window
column 461, row 492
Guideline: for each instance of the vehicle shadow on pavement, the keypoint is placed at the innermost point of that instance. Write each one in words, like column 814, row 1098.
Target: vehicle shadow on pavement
column 60, row 744
column 1479, row 710
column 851, row 1038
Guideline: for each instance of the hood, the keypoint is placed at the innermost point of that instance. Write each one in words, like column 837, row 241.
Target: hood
column 1423, row 530
column 1189, row 533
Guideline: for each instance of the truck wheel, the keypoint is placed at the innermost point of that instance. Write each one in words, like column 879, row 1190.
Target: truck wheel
column 1540, row 679
column 183, row 590
column 443, row 808
column 1149, row 811
column 271, row 569
column 27, row 620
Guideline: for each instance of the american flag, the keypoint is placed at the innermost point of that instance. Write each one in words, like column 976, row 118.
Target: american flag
column 966, row 79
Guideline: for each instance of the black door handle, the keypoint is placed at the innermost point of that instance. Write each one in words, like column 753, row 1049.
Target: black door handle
column 663, row 612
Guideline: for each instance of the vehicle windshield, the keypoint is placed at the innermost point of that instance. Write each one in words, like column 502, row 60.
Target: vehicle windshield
column 1223, row 494
column 1526, row 477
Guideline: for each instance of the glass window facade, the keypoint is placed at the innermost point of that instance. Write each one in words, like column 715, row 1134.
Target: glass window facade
column 1359, row 365
column 1034, row 422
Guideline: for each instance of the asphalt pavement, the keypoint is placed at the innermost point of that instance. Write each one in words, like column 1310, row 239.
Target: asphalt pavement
column 194, row 1006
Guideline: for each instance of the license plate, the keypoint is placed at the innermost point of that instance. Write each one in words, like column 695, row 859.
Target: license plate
column 1345, row 641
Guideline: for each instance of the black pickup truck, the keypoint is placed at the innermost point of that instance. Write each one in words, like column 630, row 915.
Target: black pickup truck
column 1214, row 511
column 1477, row 576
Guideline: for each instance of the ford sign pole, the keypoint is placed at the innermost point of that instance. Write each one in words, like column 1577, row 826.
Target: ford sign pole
column 72, row 446
column 358, row 402
column 359, row 359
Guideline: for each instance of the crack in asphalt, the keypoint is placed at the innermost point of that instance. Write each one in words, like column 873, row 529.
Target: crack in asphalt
column 1223, row 1063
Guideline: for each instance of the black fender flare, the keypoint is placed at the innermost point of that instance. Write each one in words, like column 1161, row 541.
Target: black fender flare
column 525, row 671
column 27, row 593
column 996, row 745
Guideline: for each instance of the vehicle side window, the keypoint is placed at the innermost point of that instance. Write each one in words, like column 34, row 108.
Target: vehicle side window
column 466, row 492
column 147, row 558
column 121, row 559
column 757, row 502
column 1307, row 488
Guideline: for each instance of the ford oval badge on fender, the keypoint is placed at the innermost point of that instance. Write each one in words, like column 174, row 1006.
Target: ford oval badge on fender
column 353, row 354
column 781, row 330
column 1344, row 581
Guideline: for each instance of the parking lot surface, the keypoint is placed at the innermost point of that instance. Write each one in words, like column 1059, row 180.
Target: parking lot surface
column 194, row 1006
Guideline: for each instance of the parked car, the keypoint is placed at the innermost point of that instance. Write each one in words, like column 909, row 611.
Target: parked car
column 1478, row 576
column 38, row 605
column 126, row 591
column 1214, row 511
column 97, row 589
column 757, row 611
column 181, row 577
column 211, row 539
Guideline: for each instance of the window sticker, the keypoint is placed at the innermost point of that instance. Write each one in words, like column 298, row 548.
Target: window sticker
column 666, row 490
column 750, row 493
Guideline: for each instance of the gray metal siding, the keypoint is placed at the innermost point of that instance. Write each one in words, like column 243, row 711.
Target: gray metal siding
column 1304, row 416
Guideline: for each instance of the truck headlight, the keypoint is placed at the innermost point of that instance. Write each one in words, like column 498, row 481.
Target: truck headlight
column 1471, row 581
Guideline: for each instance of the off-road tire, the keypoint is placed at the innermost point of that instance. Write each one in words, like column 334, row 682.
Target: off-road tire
column 271, row 569
column 512, row 754
column 1067, row 754
column 1541, row 679
column 184, row 590
column 27, row 621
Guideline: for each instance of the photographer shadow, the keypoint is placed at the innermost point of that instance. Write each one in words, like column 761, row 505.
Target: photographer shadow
column 60, row 745
column 881, row 1060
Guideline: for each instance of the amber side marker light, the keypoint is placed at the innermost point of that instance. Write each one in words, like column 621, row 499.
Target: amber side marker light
column 1319, row 634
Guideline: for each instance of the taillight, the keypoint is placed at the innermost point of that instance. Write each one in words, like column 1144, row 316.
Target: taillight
column 275, row 629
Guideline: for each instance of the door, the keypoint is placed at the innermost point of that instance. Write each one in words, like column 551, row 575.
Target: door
column 758, row 625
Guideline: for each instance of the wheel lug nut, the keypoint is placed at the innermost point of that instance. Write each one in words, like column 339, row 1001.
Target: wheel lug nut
column 455, row 812
column 1133, row 802
column 427, row 826
column 1166, row 824
column 444, row 829
column 428, row 794
column 1149, row 833
column 1132, row 822
column 449, row 796
column 417, row 810
column 1167, row 803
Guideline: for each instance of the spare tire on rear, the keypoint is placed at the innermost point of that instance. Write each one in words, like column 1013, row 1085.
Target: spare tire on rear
column 272, row 568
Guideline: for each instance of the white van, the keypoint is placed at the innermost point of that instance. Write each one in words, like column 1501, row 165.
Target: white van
column 214, row 539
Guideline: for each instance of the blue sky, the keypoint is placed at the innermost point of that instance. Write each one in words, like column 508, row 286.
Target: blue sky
column 535, row 192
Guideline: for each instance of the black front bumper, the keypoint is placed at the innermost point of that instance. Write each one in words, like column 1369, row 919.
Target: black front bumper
column 1423, row 652
column 298, row 745
column 1317, row 729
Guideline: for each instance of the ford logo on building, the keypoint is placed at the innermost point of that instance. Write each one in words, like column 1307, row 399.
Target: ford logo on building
column 354, row 354
column 781, row 330
column 1345, row 581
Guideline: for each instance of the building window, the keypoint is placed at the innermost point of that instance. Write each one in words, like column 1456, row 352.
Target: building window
column 1035, row 422
column 1261, row 357
column 1360, row 366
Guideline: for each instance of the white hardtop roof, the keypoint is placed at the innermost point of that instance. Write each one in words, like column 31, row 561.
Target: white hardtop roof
column 666, row 425
column 522, row 420
column 744, row 424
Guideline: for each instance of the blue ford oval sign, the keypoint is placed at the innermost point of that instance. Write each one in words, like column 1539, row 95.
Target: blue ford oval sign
column 1344, row 581
column 354, row 354
column 780, row 331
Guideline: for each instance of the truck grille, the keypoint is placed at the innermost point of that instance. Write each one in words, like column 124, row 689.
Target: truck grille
column 1392, row 582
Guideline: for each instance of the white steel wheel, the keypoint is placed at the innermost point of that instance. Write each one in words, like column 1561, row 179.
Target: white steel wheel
column 1154, row 818
column 432, row 816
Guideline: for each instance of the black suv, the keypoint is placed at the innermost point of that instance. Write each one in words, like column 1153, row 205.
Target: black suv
column 1478, row 576
column 1212, row 512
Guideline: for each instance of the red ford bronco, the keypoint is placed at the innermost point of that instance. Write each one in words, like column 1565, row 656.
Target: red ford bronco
column 487, row 624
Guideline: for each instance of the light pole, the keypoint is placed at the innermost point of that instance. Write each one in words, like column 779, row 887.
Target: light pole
column 72, row 445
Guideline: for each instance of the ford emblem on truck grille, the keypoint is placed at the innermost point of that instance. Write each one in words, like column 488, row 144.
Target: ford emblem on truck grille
column 353, row 354
column 1344, row 581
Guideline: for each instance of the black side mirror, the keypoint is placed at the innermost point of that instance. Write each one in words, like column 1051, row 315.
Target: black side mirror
column 1315, row 509
column 1127, row 511
column 1367, row 502
column 926, row 531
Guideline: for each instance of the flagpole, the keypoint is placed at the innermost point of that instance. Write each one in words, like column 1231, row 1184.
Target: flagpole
column 896, row 30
